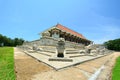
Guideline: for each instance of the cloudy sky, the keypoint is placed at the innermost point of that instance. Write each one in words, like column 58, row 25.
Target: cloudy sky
column 97, row 20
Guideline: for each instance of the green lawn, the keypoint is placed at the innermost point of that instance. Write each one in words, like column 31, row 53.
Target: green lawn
column 116, row 70
column 7, row 63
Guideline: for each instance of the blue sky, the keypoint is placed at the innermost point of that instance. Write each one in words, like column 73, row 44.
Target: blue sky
column 97, row 20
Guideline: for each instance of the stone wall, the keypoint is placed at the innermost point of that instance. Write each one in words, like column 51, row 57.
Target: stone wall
column 74, row 45
column 48, row 41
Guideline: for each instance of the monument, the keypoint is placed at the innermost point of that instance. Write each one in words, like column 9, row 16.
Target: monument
column 60, row 52
column 61, row 48
column 59, row 31
column 51, row 36
column 64, row 47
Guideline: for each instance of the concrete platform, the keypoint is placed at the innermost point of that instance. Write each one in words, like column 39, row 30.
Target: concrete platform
column 61, row 64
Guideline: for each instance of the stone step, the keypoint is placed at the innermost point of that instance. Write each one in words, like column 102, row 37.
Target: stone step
column 71, row 49
column 76, row 55
column 72, row 52
column 45, row 53
column 51, row 51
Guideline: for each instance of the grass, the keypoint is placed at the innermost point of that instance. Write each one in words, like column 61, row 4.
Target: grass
column 116, row 70
column 7, row 63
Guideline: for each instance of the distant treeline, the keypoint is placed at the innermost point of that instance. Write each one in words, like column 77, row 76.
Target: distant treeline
column 5, row 41
column 113, row 44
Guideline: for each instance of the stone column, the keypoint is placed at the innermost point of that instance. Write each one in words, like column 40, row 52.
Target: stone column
column 68, row 36
column 76, row 39
column 73, row 38
column 79, row 40
column 63, row 35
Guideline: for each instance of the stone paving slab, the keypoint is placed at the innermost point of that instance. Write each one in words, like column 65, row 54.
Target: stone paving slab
column 60, row 65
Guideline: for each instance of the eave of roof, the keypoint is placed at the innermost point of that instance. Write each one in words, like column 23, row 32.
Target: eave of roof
column 61, row 27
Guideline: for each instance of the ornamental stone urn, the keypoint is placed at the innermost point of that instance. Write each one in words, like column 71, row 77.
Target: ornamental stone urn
column 61, row 47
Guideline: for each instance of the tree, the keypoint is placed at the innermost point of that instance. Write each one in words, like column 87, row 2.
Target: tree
column 5, row 41
column 18, row 41
column 113, row 44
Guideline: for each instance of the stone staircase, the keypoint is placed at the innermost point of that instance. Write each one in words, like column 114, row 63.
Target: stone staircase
column 72, row 52
column 47, row 50
column 51, row 51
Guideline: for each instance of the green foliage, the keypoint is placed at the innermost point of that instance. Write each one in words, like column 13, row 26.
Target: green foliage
column 116, row 70
column 4, row 41
column 113, row 44
column 7, row 63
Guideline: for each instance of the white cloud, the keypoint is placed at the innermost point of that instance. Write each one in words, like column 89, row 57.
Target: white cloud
column 109, row 32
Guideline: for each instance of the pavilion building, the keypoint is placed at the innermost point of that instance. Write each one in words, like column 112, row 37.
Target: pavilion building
column 60, row 31
column 51, row 36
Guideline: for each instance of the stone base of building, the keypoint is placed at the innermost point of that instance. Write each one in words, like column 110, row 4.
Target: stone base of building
column 53, row 42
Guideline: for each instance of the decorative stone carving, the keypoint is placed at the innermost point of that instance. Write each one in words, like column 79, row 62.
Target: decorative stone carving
column 46, row 34
column 93, row 52
column 88, row 51
column 82, row 51
column 61, row 47
column 55, row 31
column 60, row 52
column 34, row 47
column 102, row 51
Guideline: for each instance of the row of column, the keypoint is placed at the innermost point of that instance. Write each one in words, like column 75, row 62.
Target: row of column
column 73, row 38
column 55, row 33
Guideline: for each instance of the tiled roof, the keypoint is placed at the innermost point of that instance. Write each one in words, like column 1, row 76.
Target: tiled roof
column 61, row 27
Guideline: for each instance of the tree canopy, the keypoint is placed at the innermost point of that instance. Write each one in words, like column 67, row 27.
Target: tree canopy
column 5, row 41
column 113, row 44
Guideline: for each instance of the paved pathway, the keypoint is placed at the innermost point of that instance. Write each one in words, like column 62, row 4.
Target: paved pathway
column 28, row 68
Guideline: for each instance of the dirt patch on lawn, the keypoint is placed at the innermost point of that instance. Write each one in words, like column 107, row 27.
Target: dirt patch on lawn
column 26, row 66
